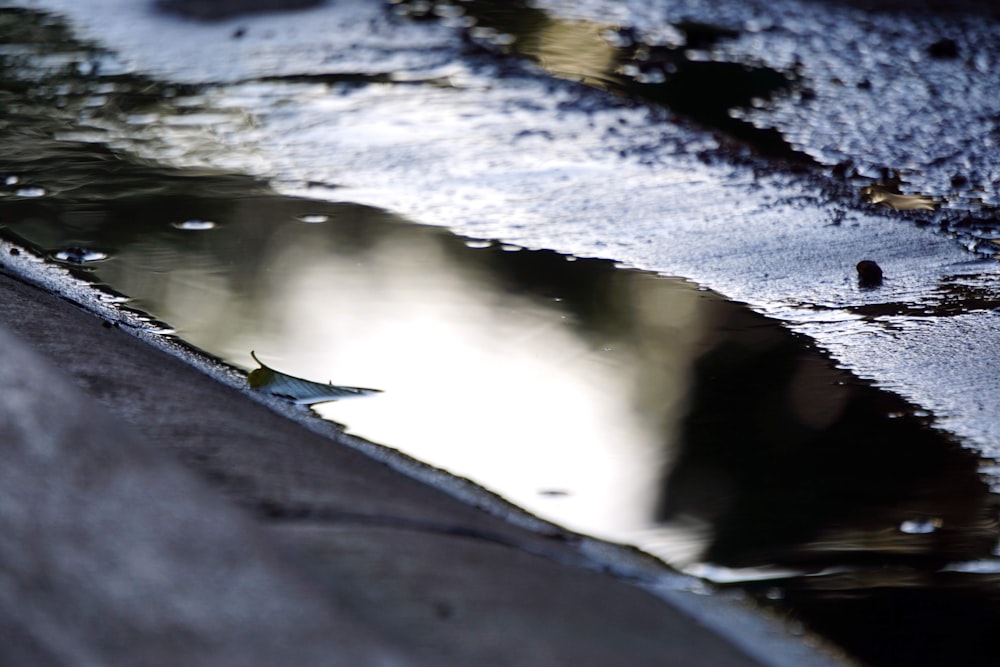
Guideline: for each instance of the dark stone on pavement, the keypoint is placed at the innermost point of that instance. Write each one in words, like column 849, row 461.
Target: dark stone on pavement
column 943, row 48
column 869, row 273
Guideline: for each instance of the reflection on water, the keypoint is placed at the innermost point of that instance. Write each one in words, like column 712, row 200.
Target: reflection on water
column 617, row 402
column 677, row 70
column 549, row 381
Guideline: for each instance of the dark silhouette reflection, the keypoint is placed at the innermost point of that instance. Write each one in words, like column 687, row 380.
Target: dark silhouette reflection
column 788, row 462
column 780, row 450
column 949, row 619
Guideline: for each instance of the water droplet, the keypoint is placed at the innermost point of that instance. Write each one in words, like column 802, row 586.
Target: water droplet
column 510, row 248
column 31, row 192
column 920, row 526
column 504, row 39
column 478, row 244
column 78, row 255
column 11, row 180
column 445, row 11
column 483, row 32
column 313, row 218
column 194, row 225
column 652, row 76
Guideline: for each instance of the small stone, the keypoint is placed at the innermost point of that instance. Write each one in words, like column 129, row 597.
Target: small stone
column 943, row 48
column 869, row 273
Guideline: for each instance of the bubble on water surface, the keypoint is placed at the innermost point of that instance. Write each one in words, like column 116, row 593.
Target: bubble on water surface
column 478, row 244
column 775, row 594
column 920, row 526
column 78, row 255
column 11, row 180
column 313, row 218
column 31, row 192
column 194, row 225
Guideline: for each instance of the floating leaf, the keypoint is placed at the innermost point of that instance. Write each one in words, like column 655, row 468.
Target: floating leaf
column 297, row 390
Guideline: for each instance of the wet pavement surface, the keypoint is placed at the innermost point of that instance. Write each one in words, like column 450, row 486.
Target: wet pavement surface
column 241, row 200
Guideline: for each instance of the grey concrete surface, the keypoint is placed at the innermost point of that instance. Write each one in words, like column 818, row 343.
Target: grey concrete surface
column 113, row 554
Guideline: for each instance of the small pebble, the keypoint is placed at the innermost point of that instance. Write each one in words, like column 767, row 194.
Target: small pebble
column 869, row 273
column 944, row 48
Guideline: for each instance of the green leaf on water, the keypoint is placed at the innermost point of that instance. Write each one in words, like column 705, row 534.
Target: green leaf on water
column 297, row 390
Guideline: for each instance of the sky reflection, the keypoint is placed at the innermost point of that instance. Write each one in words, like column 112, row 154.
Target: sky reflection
column 507, row 385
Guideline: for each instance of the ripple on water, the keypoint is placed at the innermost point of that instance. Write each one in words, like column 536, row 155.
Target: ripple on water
column 194, row 225
column 78, row 255
column 920, row 526
column 313, row 218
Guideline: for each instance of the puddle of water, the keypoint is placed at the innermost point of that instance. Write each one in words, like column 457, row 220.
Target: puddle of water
column 610, row 382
